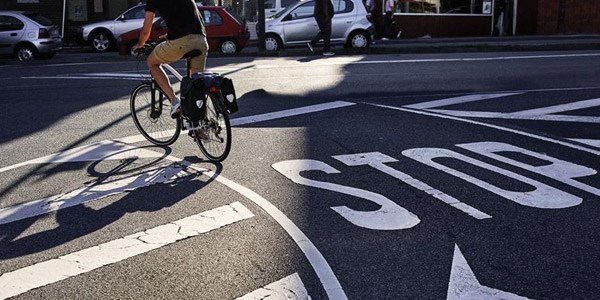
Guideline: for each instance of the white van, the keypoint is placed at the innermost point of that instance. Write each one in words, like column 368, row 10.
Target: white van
column 274, row 6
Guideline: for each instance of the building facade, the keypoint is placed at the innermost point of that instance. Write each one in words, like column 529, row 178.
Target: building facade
column 415, row 18
column 458, row 18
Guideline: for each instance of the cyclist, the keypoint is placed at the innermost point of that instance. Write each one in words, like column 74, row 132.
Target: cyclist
column 186, row 33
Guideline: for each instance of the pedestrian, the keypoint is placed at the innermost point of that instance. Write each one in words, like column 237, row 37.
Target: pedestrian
column 388, row 26
column 323, row 14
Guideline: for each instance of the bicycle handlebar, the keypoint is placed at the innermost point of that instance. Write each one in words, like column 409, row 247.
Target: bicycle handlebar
column 146, row 50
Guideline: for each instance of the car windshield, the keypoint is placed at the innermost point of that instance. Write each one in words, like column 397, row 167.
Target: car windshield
column 281, row 13
column 39, row 19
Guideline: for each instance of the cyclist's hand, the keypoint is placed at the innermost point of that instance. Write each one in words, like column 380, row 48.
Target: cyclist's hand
column 139, row 52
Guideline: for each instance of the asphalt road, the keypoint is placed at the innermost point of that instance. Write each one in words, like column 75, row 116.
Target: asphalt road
column 361, row 177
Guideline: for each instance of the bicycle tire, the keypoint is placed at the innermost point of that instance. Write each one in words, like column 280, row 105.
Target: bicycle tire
column 161, row 130
column 216, row 147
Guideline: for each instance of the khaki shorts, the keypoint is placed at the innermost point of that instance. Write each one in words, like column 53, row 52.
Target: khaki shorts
column 173, row 50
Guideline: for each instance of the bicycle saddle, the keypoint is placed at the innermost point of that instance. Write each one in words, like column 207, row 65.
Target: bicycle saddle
column 192, row 53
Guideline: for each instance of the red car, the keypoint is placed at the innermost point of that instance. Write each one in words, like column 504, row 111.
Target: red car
column 224, row 32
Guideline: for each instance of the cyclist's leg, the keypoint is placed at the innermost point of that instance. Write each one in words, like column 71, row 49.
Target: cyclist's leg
column 165, row 53
column 198, row 42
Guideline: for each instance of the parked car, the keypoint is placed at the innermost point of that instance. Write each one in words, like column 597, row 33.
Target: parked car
column 102, row 36
column 28, row 35
column 296, row 25
column 224, row 32
column 274, row 6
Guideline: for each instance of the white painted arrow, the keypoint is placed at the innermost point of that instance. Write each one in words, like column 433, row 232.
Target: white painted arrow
column 464, row 285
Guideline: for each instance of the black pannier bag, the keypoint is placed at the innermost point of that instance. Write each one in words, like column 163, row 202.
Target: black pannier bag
column 193, row 90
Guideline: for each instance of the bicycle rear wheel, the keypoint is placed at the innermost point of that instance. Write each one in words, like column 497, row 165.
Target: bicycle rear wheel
column 154, row 123
column 215, row 141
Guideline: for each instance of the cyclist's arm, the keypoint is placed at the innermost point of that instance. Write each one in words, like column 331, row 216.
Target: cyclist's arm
column 146, row 29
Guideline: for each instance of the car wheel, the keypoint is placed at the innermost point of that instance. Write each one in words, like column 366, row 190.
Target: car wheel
column 359, row 40
column 101, row 41
column 26, row 52
column 228, row 47
column 272, row 42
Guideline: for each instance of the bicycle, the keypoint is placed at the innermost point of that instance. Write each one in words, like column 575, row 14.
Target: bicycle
column 150, row 109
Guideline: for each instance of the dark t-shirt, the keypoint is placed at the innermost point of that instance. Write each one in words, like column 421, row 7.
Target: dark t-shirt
column 182, row 17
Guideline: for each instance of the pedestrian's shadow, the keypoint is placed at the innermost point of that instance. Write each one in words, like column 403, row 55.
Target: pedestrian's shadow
column 311, row 58
column 80, row 220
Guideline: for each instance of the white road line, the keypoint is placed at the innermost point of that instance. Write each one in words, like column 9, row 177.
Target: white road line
column 93, row 192
column 517, row 116
column 290, row 287
column 474, row 59
column 594, row 143
column 457, row 100
column 290, row 112
column 22, row 280
column 561, row 107
column 531, row 135
column 261, row 118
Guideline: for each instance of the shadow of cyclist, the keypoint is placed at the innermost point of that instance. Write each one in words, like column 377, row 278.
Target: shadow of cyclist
column 81, row 220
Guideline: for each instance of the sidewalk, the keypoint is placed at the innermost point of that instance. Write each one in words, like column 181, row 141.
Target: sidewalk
column 453, row 45
column 394, row 46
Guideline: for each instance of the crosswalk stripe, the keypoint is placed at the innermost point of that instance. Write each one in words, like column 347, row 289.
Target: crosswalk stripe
column 22, row 280
column 290, row 287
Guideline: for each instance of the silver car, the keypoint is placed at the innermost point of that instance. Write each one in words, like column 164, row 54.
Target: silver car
column 296, row 25
column 28, row 35
column 102, row 36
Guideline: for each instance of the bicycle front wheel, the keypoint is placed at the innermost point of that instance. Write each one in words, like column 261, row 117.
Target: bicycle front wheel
column 215, row 140
column 153, row 119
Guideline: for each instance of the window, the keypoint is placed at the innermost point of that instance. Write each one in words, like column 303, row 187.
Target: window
column 269, row 4
column 137, row 12
column 211, row 17
column 342, row 6
column 8, row 23
column 305, row 10
column 286, row 3
column 39, row 19
column 461, row 6
column 455, row 7
column 418, row 7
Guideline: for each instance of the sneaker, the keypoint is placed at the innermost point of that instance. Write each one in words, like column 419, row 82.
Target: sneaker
column 310, row 47
column 328, row 53
column 175, row 108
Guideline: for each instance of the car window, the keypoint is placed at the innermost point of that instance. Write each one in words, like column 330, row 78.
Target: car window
column 137, row 12
column 211, row 17
column 286, row 3
column 269, row 4
column 303, row 11
column 39, row 19
column 342, row 6
column 8, row 23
